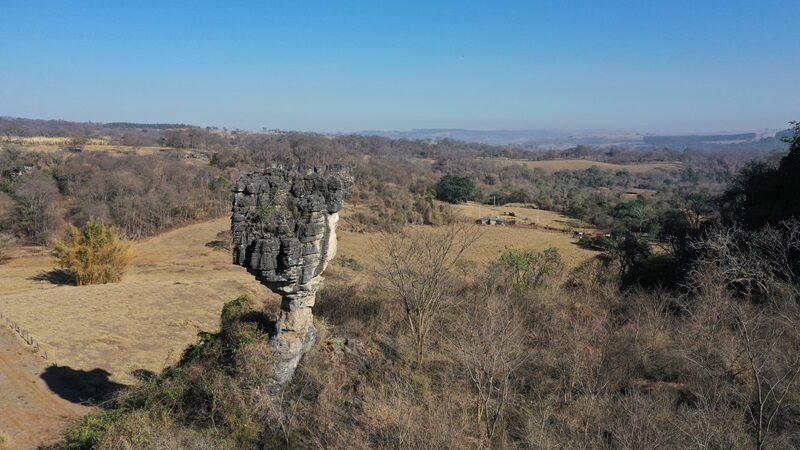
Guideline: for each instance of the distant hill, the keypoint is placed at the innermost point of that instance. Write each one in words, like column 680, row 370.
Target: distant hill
column 560, row 139
column 541, row 137
column 740, row 141
column 149, row 126
column 533, row 139
column 690, row 140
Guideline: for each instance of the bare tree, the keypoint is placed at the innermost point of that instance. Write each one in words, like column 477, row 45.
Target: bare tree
column 417, row 266
column 37, row 198
column 638, row 422
column 6, row 244
column 753, row 263
column 774, row 367
column 491, row 344
column 748, row 281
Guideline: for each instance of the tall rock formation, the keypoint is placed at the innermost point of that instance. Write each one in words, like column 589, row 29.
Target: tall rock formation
column 284, row 233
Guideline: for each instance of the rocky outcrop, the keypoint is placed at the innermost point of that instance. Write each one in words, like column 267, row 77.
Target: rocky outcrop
column 284, row 233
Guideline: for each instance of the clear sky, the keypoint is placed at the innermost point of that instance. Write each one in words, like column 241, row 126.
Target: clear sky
column 337, row 65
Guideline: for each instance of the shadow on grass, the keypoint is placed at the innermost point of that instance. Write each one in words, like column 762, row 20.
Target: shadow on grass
column 219, row 245
column 80, row 386
column 55, row 276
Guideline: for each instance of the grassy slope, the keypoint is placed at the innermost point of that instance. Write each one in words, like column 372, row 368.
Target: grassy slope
column 177, row 285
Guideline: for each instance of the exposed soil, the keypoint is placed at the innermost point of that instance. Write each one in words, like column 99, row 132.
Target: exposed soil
column 33, row 411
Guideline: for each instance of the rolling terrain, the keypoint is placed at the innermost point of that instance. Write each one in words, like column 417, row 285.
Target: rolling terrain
column 97, row 336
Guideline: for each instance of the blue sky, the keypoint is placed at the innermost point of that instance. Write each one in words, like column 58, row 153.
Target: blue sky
column 646, row 65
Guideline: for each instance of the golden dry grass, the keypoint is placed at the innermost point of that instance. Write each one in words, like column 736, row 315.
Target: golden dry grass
column 524, row 215
column 361, row 247
column 58, row 144
column 41, row 140
column 582, row 164
column 113, row 149
column 177, row 285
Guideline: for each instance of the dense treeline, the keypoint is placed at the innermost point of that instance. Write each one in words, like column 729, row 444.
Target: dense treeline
column 143, row 195
column 395, row 180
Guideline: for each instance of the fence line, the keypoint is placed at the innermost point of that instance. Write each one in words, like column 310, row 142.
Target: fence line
column 26, row 337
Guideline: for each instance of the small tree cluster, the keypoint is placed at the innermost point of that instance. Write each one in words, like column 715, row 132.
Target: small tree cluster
column 455, row 189
column 93, row 254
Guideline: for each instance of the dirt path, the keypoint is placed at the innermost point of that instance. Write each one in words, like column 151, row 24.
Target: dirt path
column 31, row 414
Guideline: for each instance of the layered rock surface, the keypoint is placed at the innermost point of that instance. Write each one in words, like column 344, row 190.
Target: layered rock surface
column 284, row 233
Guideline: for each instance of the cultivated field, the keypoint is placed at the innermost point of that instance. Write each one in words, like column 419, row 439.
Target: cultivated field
column 583, row 164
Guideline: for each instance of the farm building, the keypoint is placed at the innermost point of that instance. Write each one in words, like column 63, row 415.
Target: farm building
column 495, row 220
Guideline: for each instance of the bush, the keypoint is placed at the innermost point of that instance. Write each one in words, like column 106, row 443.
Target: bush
column 94, row 254
column 454, row 189
column 528, row 268
column 89, row 431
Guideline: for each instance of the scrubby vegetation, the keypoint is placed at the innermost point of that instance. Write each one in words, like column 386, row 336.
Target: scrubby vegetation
column 93, row 254
column 683, row 332
column 184, row 175
column 571, row 363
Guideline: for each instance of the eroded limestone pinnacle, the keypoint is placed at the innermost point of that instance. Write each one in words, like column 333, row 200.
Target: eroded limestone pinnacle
column 284, row 233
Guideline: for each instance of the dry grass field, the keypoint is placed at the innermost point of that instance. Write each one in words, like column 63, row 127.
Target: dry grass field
column 59, row 144
column 41, row 140
column 176, row 287
column 113, row 149
column 529, row 233
column 582, row 164
column 524, row 215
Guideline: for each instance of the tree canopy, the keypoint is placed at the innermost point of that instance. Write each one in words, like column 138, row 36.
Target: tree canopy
column 455, row 189
column 764, row 195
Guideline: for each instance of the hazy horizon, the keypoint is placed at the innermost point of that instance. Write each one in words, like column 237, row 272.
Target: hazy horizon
column 676, row 68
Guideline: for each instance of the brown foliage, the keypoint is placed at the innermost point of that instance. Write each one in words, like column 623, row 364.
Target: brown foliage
column 419, row 272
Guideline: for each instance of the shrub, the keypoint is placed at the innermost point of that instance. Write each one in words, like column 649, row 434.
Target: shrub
column 527, row 268
column 89, row 431
column 94, row 254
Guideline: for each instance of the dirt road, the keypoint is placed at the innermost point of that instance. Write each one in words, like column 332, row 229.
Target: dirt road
column 31, row 414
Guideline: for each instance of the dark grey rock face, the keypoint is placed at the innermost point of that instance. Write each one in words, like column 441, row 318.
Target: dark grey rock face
column 284, row 233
